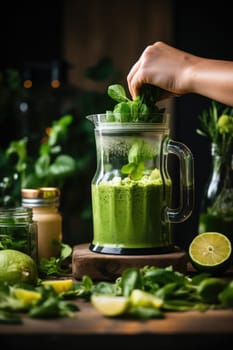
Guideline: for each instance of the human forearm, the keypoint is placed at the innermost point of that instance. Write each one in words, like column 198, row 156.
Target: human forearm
column 178, row 72
column 213, row 79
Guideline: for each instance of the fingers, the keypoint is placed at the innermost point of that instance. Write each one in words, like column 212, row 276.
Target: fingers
column 131, row 79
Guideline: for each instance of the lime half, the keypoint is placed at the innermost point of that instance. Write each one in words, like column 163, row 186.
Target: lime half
column 210, row 252
column 109, row 305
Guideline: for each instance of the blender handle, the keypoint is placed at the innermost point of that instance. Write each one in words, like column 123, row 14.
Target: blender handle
column 186, row 174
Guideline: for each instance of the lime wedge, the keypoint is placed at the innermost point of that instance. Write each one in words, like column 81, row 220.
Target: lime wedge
column 28, row 297
column 109, row 305
column 139, row 297
column 210, row 252
column 59, row 285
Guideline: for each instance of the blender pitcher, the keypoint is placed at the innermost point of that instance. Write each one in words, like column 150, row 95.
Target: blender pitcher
column 132, row 189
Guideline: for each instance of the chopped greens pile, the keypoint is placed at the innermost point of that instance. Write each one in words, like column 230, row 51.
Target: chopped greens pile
column 151, row 292
column 175, row 290
column 56, row 266
column 49, row 305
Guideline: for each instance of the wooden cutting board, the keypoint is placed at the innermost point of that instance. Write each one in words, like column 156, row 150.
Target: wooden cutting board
column 108, row 267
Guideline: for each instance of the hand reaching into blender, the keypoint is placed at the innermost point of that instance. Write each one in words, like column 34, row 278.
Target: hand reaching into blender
column 177, row 72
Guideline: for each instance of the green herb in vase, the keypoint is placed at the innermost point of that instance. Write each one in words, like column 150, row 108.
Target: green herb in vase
column 216, row 212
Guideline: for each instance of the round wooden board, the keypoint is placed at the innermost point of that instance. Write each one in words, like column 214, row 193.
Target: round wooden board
column 108, row 267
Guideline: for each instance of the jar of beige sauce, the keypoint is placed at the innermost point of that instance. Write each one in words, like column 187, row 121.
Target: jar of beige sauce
column 44, row 202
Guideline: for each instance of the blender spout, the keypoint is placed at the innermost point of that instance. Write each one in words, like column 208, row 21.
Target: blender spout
column 97, row 119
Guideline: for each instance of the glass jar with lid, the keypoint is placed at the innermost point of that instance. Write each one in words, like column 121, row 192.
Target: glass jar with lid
column 44, row 202
column 18, row 231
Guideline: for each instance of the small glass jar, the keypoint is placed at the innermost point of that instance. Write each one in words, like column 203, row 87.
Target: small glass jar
column 44, row 202
column 18, row 231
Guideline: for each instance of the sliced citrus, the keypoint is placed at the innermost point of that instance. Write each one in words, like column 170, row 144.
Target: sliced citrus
column 139, row 297
column 60, row 285
column 109, row 305
column 210, row 252
column 28, row 297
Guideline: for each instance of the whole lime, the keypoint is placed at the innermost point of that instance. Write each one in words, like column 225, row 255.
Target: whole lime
column 210, row 288
column 17, row 267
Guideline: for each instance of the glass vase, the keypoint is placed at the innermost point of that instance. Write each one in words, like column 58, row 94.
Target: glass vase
column 216, row 213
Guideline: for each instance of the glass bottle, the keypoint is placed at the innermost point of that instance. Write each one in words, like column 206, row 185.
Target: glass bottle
column 44, row 202
column 18, row 231
column 216, row 212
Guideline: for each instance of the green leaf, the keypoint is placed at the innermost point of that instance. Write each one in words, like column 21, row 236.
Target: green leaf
column 20, row 149
column 31, row 180
column 66, row 251
column 131, row 279
column 142, row 109
column 182, row 305
column 62, row 166
column 59, row 128
column 226, row 296
column 55, row 149
column 42, row 166
column 141, row 312
column 51, row 307
column 140, row 151
column 149, row 96
column 137, row 172
column 122, row 112
column 107, row 288
column 128, row 168
column 44, row 149
column 117, row 93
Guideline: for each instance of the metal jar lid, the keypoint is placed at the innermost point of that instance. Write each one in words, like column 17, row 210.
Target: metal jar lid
column 43, row 196
column 18, row 215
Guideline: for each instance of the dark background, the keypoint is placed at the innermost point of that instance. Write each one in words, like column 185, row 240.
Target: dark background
column 31, row 34
column 204, row 29
column 30, row 31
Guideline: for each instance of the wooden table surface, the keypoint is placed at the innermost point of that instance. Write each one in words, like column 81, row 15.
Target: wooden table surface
column 189, row 330
column 212, row 329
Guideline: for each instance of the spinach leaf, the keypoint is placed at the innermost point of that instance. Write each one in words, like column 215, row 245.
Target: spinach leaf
column 131, row 279
column 117, row 93
column 145, row 312
column 142, row 109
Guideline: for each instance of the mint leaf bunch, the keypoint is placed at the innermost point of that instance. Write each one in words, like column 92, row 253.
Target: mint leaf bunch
column 142, row 109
